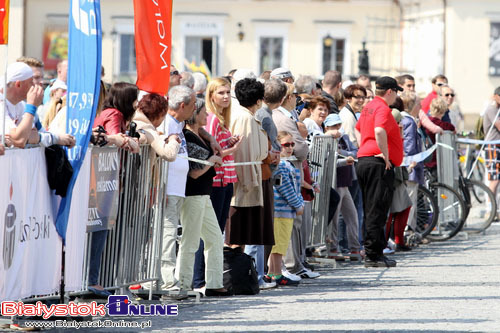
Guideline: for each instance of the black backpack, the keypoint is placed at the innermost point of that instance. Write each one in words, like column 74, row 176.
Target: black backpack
column 240, row 275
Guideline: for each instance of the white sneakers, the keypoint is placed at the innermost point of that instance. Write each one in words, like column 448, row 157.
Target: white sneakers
column 267, row 285
column 290, row 276
column 308, row 274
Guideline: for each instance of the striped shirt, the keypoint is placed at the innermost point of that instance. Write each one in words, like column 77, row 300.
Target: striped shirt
column 226, row 174
column 287, row 197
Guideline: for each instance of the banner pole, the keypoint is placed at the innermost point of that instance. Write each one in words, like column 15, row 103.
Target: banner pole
column 4, row 103
column 63, row 264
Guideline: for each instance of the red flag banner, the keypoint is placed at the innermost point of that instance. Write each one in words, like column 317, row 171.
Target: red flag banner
column 153, row 38
column 4, row 21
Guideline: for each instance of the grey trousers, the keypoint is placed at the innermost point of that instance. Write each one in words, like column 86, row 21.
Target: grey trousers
column 350, row 214
column 306, row 228
column 293, row 261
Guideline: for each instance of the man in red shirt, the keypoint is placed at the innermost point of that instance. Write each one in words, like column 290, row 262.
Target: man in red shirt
column 437, row 82
column 381, row 148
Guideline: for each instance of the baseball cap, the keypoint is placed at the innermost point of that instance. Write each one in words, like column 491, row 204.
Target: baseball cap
column 281, row 73
column 18, row 71
column 387, row 82
column 332, row 120
column 58, row 84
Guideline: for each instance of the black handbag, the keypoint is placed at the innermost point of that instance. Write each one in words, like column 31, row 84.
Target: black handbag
column 59, row 170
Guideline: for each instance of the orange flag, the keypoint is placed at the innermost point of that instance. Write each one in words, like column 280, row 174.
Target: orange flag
column 153, row 38
column 4, row 21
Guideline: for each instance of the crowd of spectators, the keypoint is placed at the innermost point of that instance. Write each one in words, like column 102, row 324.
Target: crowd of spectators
column 267, row 126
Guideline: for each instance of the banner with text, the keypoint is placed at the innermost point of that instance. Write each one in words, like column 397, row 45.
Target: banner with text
column 153, row 19
column 104, row 189
column 31, row 249
column 84, row 73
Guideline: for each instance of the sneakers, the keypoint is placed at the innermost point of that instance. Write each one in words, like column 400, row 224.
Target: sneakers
column 381, row 261
column 284, row 281
column 388, row 250
column 355, row 256
column 308, row 265
column 307, row 274
column 336, row 255
column 402, row 248
column 290, row 276
column 267, row 283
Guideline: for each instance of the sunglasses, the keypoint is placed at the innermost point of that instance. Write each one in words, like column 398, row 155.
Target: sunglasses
column 288, row 144
column 448, row 95
column 439, row 84
column 174, row 73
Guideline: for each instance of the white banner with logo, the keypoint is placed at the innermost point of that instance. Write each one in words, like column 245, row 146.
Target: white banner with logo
column 31, row 247
column 30, row 263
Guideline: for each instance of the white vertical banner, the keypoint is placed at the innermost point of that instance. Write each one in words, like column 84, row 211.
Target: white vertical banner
column 77, row 224
column 30, row 263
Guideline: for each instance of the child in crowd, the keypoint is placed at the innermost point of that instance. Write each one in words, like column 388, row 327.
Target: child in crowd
column 288, row 203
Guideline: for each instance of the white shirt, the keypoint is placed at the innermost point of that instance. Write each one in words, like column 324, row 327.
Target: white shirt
column 178, row 169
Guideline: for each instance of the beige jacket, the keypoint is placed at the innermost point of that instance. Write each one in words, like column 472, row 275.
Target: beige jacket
column 167, row 151
column 248, row 189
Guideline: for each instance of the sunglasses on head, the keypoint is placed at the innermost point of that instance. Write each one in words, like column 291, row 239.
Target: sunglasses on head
column 288, row 144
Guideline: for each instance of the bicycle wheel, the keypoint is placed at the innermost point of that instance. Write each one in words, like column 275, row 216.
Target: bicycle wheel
column 482, row 208
column 452, row 212
column 427, row 211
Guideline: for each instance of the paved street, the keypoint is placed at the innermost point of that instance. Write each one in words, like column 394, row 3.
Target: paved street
column 452, row 286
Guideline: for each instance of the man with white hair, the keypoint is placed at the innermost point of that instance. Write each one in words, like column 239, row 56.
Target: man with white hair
column 181, row 104
column 187, row 79
column 20, row 116
column 200, row 84
column 306, row 84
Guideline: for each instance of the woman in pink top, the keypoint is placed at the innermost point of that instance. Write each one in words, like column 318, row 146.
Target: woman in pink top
column 218, row 105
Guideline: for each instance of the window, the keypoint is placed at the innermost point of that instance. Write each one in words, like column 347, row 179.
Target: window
column 127, row 54
column 271, row 53
column 333, row 54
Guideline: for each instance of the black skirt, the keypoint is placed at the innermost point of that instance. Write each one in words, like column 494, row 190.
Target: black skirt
column 253, row 225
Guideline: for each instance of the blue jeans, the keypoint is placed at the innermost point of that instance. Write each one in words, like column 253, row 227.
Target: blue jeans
column 221, row 200
column 98, row 242
column 257, row 253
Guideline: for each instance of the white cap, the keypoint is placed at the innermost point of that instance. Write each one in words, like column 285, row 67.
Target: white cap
column 281, row 73
column 241, row 74
column 58, row 84
column 18, row 71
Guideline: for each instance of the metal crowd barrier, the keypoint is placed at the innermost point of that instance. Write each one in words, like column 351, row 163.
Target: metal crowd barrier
column 323, row 166
column 133, row 247
column 447, row 160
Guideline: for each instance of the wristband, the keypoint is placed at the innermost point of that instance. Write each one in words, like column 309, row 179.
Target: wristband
column 31, row 109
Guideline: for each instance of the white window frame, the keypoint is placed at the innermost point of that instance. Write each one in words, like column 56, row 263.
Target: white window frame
column 218, row 31
column 336, row 31
column 122, row 28
column 272, row 30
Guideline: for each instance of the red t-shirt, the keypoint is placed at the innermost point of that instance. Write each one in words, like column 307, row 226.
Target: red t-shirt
column 378, row 114
column 426, row 103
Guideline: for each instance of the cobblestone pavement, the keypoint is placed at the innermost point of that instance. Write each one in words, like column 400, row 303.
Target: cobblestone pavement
column 452, row 286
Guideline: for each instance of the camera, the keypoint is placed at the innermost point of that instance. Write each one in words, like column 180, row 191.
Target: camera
column 277, row 181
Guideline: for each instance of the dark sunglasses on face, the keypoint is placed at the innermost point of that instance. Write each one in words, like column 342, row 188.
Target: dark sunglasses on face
column 439, row 84
column 174, row 73
column 448, row 95
column 288, row 144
